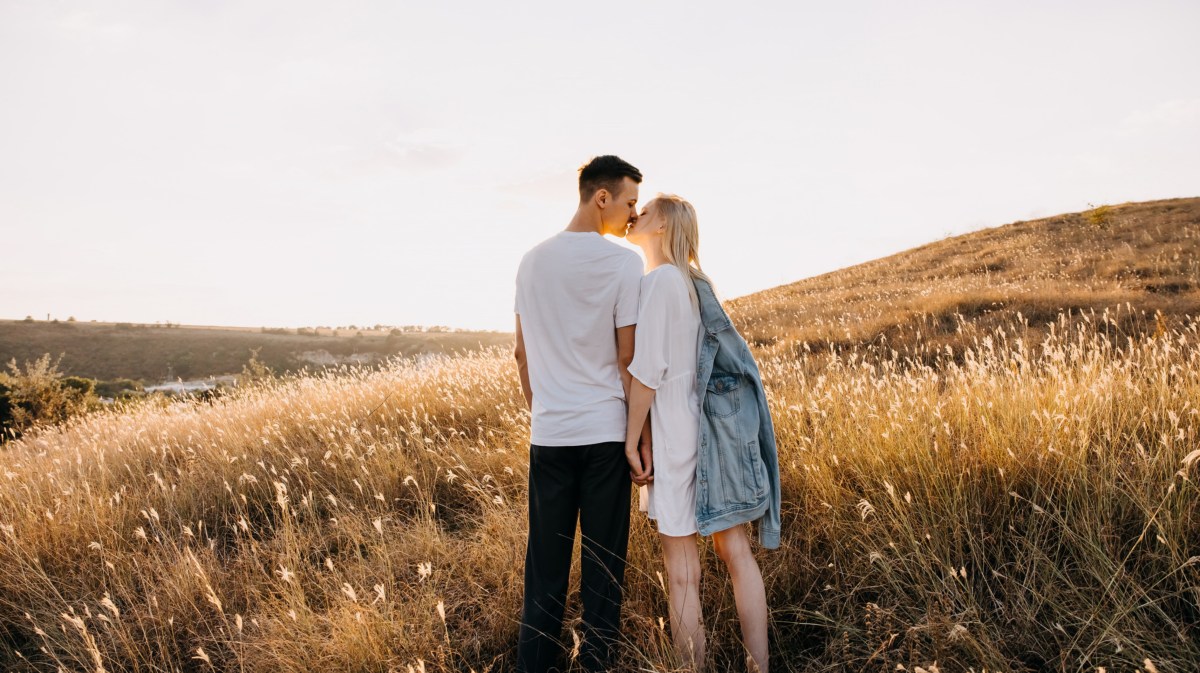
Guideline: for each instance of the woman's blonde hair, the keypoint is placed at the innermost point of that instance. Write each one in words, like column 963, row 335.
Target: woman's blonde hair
column 681, row 238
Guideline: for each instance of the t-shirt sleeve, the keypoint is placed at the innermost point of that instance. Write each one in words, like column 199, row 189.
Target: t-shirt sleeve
column 517, row 288
column 651, row 340
column 629, row 285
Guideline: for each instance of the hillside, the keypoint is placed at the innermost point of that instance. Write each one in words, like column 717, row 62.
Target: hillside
column 1143, row 257
column 153, row 353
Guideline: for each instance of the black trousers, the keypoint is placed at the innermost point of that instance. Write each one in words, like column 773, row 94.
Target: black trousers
column 589, row 483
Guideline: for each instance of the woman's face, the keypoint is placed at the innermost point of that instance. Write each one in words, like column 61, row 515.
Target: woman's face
column 649, row 226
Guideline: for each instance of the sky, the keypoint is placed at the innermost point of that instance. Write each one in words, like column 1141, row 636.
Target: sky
column 297, row 163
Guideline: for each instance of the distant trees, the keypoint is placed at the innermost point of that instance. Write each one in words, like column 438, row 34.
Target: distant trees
column 120, row 388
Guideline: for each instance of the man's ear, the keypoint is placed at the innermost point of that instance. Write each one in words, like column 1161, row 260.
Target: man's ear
column 601, row 197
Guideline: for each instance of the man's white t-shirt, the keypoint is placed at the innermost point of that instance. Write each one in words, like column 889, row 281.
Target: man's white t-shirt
column 573, row 290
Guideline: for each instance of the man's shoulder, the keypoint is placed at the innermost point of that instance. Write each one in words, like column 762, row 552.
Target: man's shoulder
column 536, row 250
column 624, row 258
column 627, row 255
column 611, row 247
column 542, row 245
column 596, row 247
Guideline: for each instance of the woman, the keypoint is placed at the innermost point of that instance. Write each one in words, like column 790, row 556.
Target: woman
column 666, row 345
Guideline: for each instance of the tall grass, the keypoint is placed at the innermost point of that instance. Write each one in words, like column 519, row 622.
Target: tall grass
column 1002, row 505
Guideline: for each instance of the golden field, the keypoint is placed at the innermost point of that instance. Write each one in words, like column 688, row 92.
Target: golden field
column 981, row 491
column 1145, row 254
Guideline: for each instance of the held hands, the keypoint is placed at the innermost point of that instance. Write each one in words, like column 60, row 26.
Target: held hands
column 638, row 433
column 641, row 460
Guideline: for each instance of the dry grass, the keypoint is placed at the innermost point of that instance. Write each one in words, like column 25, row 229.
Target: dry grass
column 1143, row 254
column 1033, row 507
column 993, row 495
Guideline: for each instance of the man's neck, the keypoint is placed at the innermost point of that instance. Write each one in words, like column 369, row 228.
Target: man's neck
column 585, row 220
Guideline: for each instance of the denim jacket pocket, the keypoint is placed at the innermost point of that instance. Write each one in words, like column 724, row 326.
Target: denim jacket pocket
column 723, row 398
column 755, row 470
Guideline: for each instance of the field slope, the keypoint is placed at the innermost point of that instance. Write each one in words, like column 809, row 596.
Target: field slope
column 997, row 492
column 1144, row 257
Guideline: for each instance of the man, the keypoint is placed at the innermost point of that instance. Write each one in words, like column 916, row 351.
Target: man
column 576, row 305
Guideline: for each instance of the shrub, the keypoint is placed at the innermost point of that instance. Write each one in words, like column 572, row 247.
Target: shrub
column 40, row 395
column 254, row 369
column 1099, row 216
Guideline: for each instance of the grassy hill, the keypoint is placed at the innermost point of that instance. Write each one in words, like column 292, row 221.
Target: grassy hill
column 1009, row 505
column 1133, row 259
column 152, row 353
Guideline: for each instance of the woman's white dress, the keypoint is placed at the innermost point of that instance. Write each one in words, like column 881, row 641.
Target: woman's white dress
column 664, row 358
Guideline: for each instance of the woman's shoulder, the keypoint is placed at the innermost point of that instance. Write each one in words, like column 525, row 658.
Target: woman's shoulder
column 666, row 286
column 665, row 274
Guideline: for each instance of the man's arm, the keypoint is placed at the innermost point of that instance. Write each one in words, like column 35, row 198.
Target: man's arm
column 523, row 365
column 625, row 343
column 625, row 356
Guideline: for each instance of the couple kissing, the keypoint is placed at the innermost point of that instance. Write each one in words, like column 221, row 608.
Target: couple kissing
column 635, row 376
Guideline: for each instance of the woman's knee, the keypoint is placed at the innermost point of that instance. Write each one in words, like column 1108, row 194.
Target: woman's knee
column 684, row 572
column 733, row 547
column 683, row 563
column 683, row 580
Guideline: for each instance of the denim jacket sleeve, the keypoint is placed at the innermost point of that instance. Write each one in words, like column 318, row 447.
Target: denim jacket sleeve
column 769, row 526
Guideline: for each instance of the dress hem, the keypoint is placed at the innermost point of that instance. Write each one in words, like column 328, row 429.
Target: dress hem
column 694, row 531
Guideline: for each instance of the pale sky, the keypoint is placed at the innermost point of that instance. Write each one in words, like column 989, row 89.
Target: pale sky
column 314, row 163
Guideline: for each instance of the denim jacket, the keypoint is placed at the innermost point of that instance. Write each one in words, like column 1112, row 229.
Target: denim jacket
column 737, row 468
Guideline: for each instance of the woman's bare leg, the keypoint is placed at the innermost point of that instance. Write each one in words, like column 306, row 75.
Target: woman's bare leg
column 683, row 596
column 733, row 546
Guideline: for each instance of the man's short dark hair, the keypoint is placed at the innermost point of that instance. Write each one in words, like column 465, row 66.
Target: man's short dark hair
column 605, row 172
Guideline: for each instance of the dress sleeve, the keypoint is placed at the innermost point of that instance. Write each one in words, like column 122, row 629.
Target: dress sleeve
column 651, row 343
